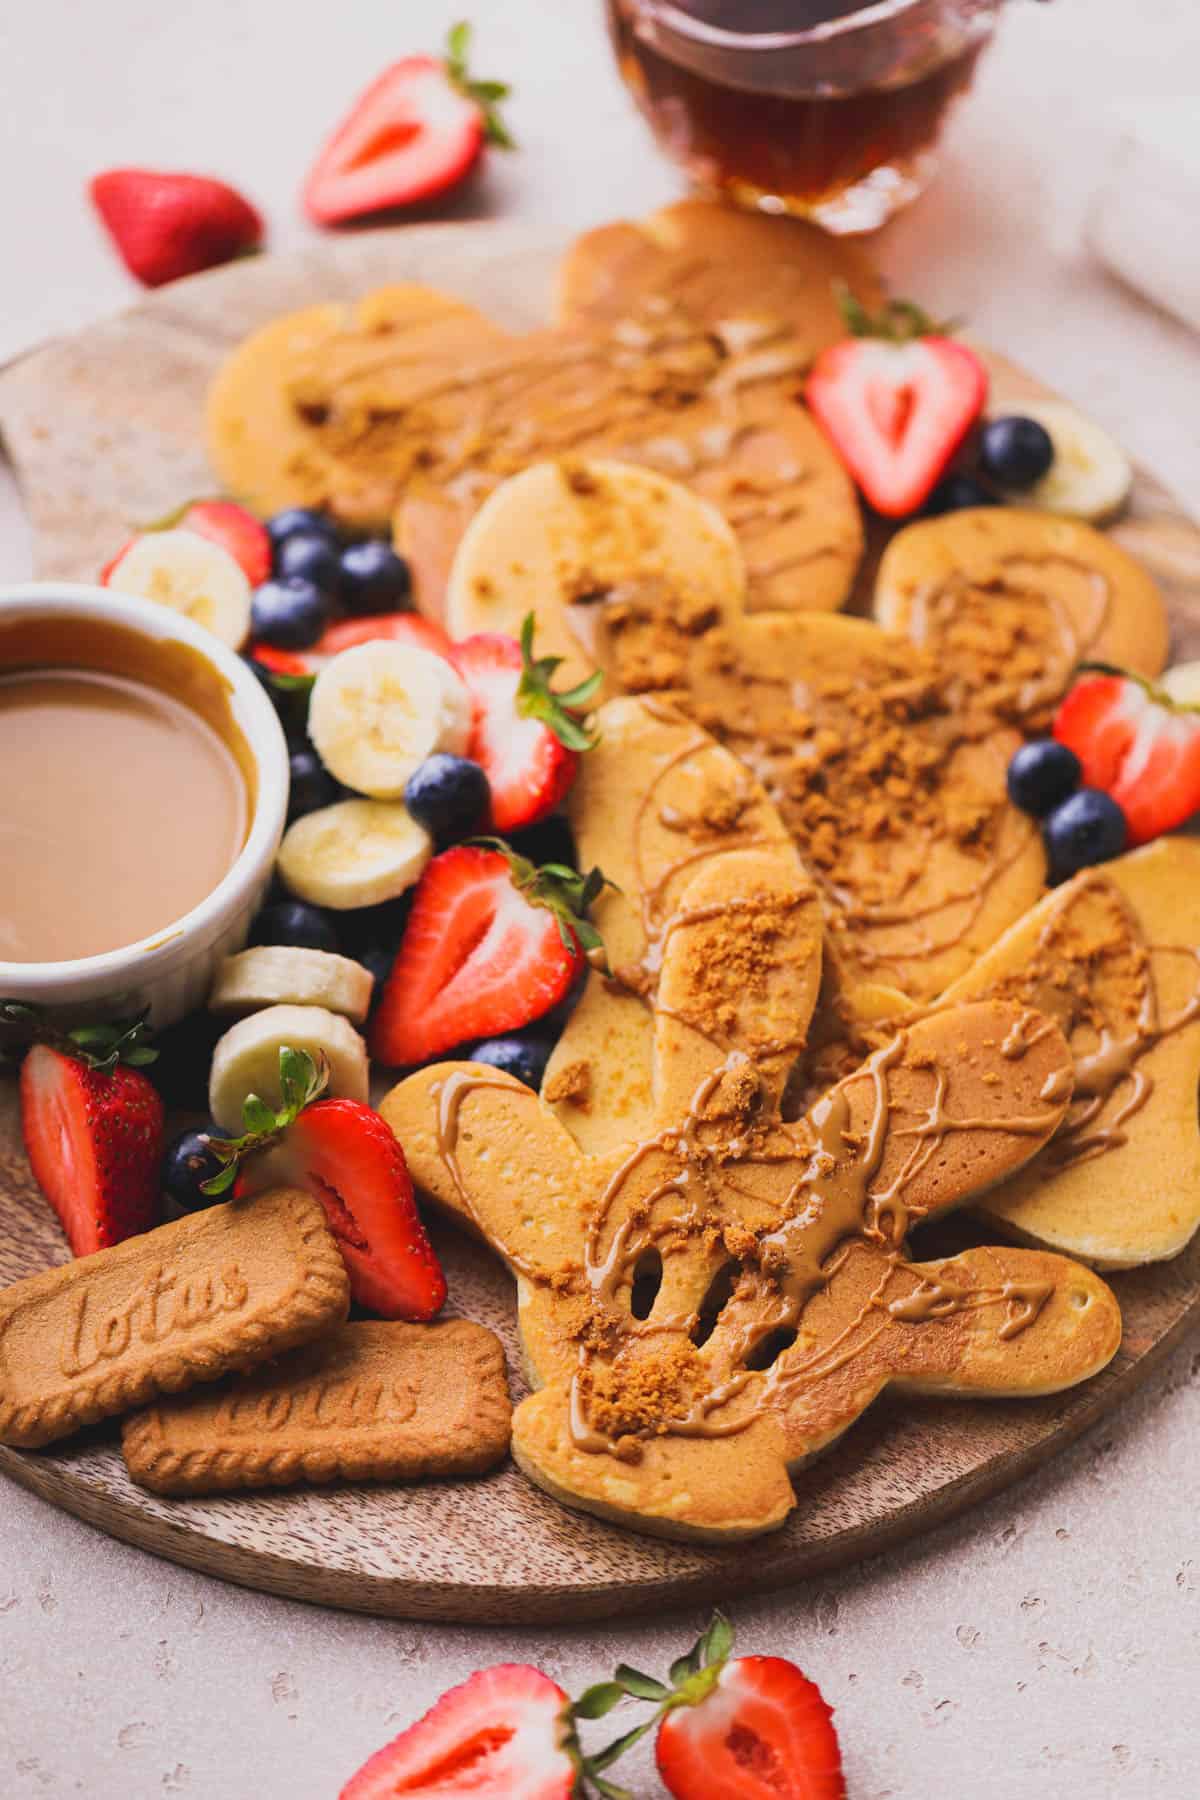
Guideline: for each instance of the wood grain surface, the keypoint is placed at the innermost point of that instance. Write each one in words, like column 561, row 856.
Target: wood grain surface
column 104, row 432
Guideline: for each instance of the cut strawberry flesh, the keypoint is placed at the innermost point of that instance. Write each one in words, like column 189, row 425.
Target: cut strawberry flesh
column 94, row 1143
column 408, row 137
column 344, row 1154
column 763, row 1733
column 897, row 413
column 528, row 769
column 477, row 959
column 402, row 627
column 497, row 1737
column 1144, row 754
column 225, row 523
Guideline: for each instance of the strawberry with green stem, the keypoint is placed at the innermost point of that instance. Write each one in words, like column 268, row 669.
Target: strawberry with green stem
column 342, row 1153
column 525, row 736
column 896, row 399
column 492, row 942
column 419, row 129
column 91, row 1120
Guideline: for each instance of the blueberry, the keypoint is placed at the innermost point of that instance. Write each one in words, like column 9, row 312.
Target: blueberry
column 290, row 614
column 312, row 786
column 377, row 959
column 373, row 578
column 956, row 491
column 185, row 1053
column 1041, row 775
column 548, row 841
column 372, row 934
column 1015, row 451
column 311, row 556
column 524, row 1056
column 283, row 525
column 448, row 795
column 187, row 1162
column 1088, row 828
column 294, row 922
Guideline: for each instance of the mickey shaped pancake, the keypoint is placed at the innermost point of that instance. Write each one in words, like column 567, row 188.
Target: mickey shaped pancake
column 711, row 1304
column 414, row 405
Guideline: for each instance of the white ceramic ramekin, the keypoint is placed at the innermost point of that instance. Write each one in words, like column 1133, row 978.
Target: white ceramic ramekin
column 169, row 973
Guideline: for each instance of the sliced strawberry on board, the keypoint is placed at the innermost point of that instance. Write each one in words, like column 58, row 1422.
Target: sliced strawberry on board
column 1138, row 744
column 402, row 627
column 299, row 664
column 761, row 1732
column 896, row 400
column 525, row 737
column 95, row 1141
column 343, row 1153
column 491, row 943
column 501, row 1735
column 226, row 523
column 166, row 225
column 416, row 131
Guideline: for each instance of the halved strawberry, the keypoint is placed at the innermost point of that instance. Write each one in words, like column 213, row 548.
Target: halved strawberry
column 491, row 943
column 501, row 1735
column 226, row 523
column 95, row 1139
column 417, row 130
column 761, row 1731
column 402, row 627
column 896, row 400
column 524, row 735
column 343, row 1153
column 300, row 664
column 1139, row 745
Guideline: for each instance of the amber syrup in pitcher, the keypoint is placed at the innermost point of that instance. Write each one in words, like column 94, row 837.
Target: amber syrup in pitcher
column 841, row 130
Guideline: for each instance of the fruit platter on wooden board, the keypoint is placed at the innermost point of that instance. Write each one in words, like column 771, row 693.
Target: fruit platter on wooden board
column 705, row 847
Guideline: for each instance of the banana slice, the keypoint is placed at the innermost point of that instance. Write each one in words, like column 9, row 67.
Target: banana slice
column 285, row 974
column 354, row 853
column 380, row 708
column 1090, row 476
column 1182, row 683
column 556, row 533
column 246, row 1059
column 191, row 575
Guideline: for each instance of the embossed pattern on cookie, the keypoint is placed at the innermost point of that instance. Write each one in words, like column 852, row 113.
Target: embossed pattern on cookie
column 376, row 1400
column 217, row 1291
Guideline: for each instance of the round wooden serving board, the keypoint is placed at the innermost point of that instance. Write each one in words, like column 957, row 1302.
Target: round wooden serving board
column 104, row 431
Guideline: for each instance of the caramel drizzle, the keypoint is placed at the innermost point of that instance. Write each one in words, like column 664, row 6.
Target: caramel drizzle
column 830, row 1204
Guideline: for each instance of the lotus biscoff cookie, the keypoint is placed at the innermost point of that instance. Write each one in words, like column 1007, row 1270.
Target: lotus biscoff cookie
column 714, row 1301
column 375, row 1400
column 186, row 1303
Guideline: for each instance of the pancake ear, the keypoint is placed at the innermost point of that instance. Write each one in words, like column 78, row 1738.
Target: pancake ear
column 741, row 971
column 486, row 1148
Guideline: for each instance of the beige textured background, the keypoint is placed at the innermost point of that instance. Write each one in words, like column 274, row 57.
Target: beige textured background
column 1050, row 1643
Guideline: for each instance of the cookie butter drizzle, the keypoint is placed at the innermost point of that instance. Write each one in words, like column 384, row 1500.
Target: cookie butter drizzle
column 487, row 415
column 938, row 607
column 827, row 1205
column 1116, row 1059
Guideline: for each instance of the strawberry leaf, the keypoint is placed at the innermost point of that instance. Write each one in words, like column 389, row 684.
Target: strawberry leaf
column 536, row 699
column 597, row 1700
column 642, row 1687
column 717, row 1641
column 302, row 1079
column 100, row 1046
column 899, row 321
column 487, row 95
column 563, row 891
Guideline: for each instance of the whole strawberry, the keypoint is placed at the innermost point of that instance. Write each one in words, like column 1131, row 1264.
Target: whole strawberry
column 165, row 226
